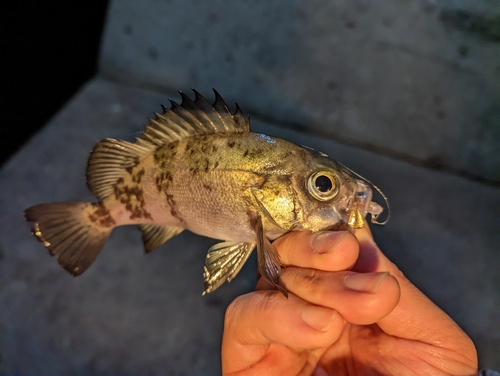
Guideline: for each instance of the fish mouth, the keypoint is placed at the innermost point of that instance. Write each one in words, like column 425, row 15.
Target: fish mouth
column 340, row 226
column 363, row 197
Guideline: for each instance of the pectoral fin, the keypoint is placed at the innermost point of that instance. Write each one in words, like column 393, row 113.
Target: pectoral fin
column 153, row 235
column 224, row 261
column 269, row 263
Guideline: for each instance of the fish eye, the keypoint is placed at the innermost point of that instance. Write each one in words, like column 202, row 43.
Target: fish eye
column 323, row 185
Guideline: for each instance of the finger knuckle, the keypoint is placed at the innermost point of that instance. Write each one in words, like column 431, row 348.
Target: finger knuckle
column 310, row 278
column 269, row 302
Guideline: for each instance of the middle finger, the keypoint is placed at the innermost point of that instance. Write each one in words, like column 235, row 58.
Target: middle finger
column 361, row 298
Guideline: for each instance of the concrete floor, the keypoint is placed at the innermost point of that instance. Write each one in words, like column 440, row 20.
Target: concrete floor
column 134, row 313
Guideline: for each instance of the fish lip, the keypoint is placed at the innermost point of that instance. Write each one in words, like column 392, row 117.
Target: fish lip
column 340, row 226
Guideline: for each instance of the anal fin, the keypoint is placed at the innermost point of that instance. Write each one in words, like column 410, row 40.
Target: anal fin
column 154, row 235
column 224, row 261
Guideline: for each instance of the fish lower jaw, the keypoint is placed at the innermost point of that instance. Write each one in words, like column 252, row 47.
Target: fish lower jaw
column 340, row 226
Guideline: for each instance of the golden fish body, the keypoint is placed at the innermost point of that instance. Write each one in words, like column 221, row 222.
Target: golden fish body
column 198, row 167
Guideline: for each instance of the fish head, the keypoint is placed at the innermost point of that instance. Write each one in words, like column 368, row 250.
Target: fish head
column 332, row 197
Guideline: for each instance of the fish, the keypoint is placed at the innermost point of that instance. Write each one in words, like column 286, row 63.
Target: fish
column 197, row 166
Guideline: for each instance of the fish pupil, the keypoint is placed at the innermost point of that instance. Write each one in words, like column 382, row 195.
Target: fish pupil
column 323, row 183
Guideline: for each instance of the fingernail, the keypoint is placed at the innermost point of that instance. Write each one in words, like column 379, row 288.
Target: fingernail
column 325, row 241
column 365, row 282
column 318, row 318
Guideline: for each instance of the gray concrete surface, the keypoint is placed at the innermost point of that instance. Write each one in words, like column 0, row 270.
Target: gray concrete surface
column 144, row 314
column 419, row 80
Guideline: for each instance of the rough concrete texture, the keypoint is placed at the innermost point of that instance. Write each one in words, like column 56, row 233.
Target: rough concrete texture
column 418, row 80
column 144, row 314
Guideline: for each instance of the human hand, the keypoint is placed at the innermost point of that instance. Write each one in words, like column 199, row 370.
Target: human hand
column 344, row 315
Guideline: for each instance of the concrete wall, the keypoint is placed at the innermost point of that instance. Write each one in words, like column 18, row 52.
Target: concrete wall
column 137, row 314
column 417, row 80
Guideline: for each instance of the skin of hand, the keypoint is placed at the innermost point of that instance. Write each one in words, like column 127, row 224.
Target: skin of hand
column 350, row 311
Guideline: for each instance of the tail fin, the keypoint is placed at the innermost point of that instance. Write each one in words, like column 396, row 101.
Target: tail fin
column 74, row 232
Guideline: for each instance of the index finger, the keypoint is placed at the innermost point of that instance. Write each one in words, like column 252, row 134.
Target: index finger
column 325, row 250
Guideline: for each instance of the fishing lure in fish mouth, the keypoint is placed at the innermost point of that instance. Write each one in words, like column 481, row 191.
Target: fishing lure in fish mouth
column 197, row 166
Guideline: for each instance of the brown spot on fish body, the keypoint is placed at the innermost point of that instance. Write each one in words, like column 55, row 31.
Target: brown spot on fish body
column 137, row 177
column 163, row 157
column 303, row 154
column 102, row 216
column 245, row 153
column 207, row 187
column 231, row 143
column 173, row 211
column 258, row 153
column 170, row 199
column 136, row 162
column 165, row 153
column 133, row 199
column 163, row 180
column 284, row 179
column 139, row 213
column 189, row 146
column 116, row 190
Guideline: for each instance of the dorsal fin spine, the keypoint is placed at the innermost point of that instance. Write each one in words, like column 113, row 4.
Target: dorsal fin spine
column 209, row 113
column 170, row 125
column 174, row 112
column 239, row 118
column 222, row 109
column 187, row 116
column 167, row 131
column 201, row 116
column 160, row 133
column 219, row 102
column 191, row 118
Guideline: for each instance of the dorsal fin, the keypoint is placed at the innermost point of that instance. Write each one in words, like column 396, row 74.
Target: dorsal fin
column 193, row 117
column 107, row 163
column 110, row 158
